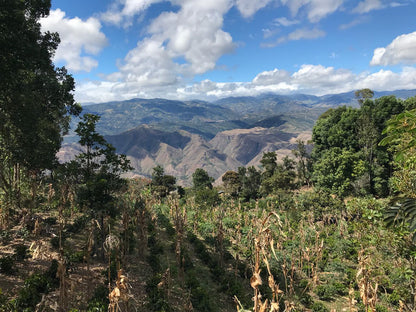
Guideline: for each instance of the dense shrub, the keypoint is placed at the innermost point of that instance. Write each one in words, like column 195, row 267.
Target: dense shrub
column 319, row 307
column 20, row 252
column 6, row 265
column 99, row 301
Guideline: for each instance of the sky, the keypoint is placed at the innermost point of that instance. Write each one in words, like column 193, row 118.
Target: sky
column 210, row 49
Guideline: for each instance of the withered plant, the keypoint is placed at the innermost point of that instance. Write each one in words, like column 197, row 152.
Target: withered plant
column 264, row 250
column 368, row 288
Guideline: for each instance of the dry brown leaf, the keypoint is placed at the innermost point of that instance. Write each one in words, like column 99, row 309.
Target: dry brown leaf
column 255, row 280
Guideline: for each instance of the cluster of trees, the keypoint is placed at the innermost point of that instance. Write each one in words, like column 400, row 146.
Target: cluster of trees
column 36, row 105
column 347, row 157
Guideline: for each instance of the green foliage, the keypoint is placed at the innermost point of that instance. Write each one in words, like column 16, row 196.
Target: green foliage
column 5, row 237
column 347, row 139
column 201, row 180
column 232, row 183
column 336, row 169
column 78, row 224
column 6, row 265
column 99, row 301
column 20, row 252
column 281, row 178
column 36, row 98
column 36, row 285
column 206, row 197
column 404, row 211
column 162, row 184
column 304, row 163
column 319, row 307
column 157, row 298
column 100, row 168
column 250, row 180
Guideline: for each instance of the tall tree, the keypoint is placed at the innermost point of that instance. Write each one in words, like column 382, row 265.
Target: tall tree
column 304, row 162
column 201, row 179
column 232, row 183
column 98, row 169
column 250, row 182
column 162, row 184
column 36, row 98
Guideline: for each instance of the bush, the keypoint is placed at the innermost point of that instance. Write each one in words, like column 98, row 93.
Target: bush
column 5, row 237
column 31, row 293
column 99, row 301
column 23, row 232
column 6, row 265
column 20, row 252
column 326, row 292
column 78, row 224
column 319, row 307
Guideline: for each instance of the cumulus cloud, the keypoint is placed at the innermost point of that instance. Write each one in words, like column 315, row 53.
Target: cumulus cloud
column 271, row 77
column 319, row 79
column 80, row 40
column 178, row 45
column 308, row 79
column 400, row 50
column 367, row 6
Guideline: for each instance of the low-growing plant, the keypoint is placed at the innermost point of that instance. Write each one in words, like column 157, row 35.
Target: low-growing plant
column 5, row 237
column 99, row 301
column 319, row 307
column 6, row 265
column 20, row 252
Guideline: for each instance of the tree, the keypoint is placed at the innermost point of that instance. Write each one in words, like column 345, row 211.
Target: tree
column 201, row 179
column 359, row 131
column 363, row 94
column 283, row 178
column 269, row 164
column 232, row 183
column 36, row 98
column 162, row 184
column 304, row 163
column 98, row 170
column 250, row 182
column 336, row 170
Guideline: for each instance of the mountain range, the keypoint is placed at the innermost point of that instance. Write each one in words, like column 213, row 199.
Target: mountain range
column 217, row 136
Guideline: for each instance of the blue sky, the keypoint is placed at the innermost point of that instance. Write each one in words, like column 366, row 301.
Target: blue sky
column 208, row 49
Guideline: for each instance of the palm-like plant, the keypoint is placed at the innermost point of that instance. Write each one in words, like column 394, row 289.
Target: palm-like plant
column 401, row 135
column 403, row 212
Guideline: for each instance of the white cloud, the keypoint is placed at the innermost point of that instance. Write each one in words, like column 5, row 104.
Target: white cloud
column 122, row 12
column 316, row 9
column 367, row 6
column 355, row 22
column 304, row 33
column 319, row 79
column 389, row 81
column 284, row 21
column 400, row 50
column 308, row 79
column 321, row 8
column 248, row 8
column 271, row 77
column 298, row 34
column 79, row 40
column 178, row 46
